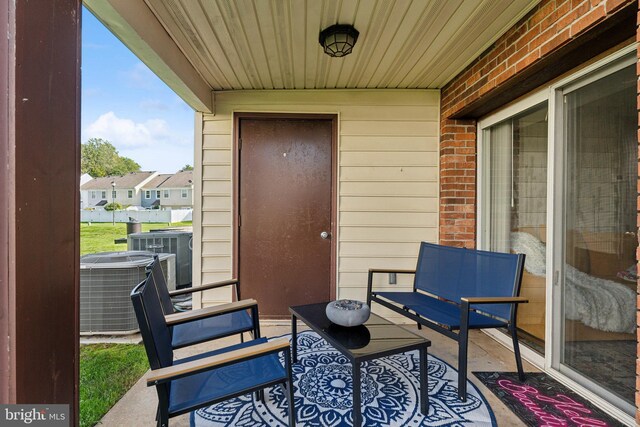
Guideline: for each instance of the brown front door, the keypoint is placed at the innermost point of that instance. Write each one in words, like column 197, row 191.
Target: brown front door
column 285, row 204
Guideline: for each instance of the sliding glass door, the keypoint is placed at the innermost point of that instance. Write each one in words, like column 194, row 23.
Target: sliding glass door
column 595, row 331
column 558, row 181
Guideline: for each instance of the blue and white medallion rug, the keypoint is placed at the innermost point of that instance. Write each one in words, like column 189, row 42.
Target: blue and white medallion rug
column 323, row 394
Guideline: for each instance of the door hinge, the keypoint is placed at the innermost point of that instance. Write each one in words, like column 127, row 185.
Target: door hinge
column 239, row 144
column 239, row 221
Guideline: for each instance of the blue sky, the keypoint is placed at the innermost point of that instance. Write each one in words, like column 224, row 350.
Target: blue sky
column 125, row 103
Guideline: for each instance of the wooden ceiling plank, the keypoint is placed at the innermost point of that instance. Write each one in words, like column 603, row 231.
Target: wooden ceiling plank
column 314, row 26
column 484, row 15
column 390, row 28
column 329, row 17
column 345, row 15
column 406, row 28
column 269, row 41
column 208, row 69
column 298, row 20
column 361, row 21
column 182, row 17
column 370, row 39
column 209, row 43
column 213, row 28
column 433, row 19
column 239, row 14
column 280, row 11
column 254, row 39
column 447, row 30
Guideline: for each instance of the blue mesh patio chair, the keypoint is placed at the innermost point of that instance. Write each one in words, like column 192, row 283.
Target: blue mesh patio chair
column 198, row 381
column 196, row 326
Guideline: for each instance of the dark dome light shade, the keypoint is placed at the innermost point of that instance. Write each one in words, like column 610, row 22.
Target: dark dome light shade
column 338, row 40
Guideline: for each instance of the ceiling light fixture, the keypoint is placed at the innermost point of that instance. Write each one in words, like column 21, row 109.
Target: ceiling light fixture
column 338, row 40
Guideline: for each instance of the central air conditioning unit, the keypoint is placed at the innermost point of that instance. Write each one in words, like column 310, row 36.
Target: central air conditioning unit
column 106, row 281
column 175, row 242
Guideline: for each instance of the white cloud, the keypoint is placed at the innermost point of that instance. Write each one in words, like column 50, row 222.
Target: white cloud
column 127, row 133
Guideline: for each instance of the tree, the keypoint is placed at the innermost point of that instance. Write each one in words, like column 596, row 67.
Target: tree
column 113, row 206
column 100, row 158
column 125, row 165
column 186, row 168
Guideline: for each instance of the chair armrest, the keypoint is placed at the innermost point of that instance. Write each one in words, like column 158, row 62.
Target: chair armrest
column 159, row 376
column 203, row 287
column 390, row 270
column 189, row 316
column 495, row 300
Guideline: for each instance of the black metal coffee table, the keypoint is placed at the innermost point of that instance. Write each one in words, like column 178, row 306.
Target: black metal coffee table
column 375, row 339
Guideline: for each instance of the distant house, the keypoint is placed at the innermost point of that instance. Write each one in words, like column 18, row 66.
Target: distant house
column 177, row 190
column 150, row 194
column 126, row 190
column 84, row 194
column 169, row 191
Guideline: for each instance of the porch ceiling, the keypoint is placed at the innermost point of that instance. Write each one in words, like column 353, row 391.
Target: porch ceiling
column 260, row 44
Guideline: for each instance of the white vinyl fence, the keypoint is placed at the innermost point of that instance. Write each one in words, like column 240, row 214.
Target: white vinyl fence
column 168, row 216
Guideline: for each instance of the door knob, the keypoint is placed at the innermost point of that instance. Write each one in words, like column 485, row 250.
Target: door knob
column 325, row 235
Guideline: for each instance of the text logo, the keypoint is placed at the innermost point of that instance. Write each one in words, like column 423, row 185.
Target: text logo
column 34, row 415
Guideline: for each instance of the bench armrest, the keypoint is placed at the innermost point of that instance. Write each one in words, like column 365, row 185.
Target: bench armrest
column 159, row 376
column 495, row 300
column 390, row 270
column 205, row 287
column 189, row 316
column 373, row 271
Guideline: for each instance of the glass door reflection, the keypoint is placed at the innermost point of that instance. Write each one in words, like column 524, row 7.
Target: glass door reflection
column 599, row 276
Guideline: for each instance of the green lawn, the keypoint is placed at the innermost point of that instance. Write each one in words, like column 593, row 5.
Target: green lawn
column 107, row 371
column 99, row 237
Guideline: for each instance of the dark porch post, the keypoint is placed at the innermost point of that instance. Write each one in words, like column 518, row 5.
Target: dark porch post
column 39, row 202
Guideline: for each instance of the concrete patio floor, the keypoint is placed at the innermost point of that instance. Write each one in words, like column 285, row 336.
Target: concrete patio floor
column 138, row 406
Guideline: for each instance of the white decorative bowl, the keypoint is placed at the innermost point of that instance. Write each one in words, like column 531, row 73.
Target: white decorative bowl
column 347, row 312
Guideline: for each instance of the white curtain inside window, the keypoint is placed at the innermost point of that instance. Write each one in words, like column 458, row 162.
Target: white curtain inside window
column 500, row 186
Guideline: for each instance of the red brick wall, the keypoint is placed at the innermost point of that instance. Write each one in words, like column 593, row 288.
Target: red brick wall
column 547, row 27
column 458, row 182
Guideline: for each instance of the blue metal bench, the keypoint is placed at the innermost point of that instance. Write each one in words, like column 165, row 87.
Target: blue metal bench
column 457, row 289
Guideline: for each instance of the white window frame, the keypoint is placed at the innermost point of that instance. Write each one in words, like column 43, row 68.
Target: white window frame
column 184, row 193
column 103, row 194
column 166, row 194
column 94, row 194
column 129, row 194
column 147, row 194
column 114, row 194
column 157, row 194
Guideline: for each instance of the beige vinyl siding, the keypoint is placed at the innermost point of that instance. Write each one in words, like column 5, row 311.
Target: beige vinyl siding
column 387, row 179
